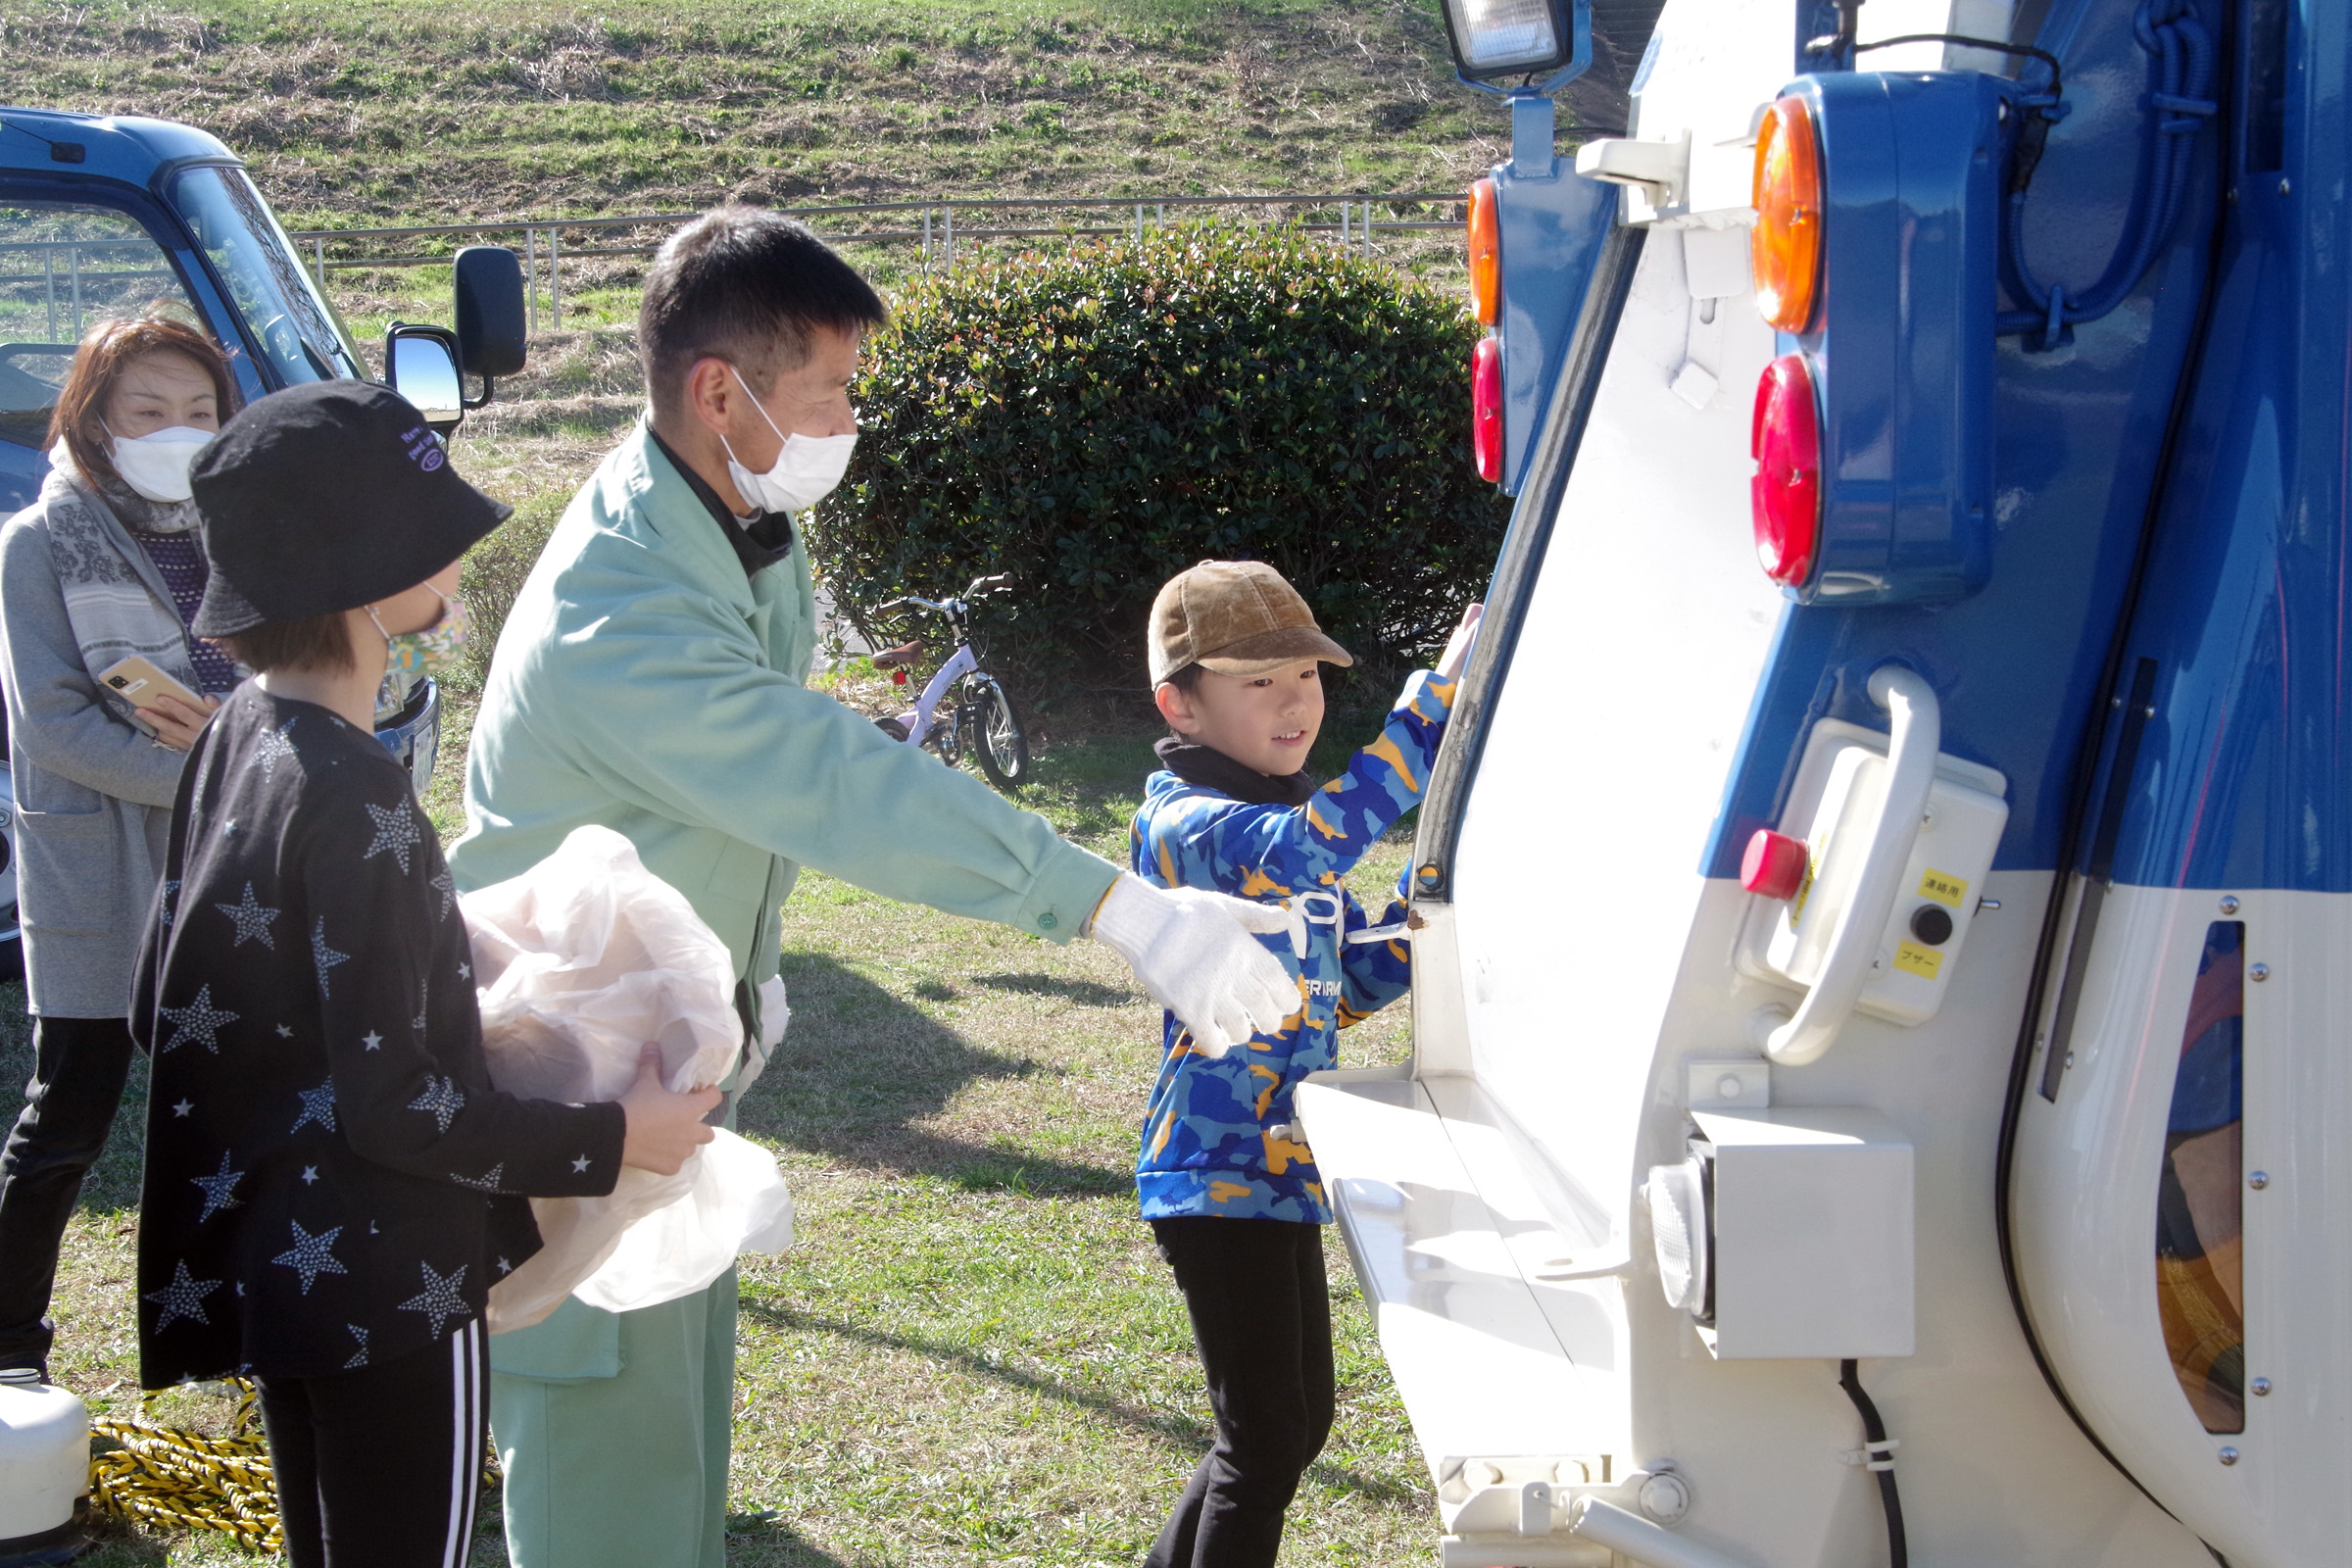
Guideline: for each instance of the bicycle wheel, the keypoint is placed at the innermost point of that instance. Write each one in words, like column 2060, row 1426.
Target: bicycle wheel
column 998, row 739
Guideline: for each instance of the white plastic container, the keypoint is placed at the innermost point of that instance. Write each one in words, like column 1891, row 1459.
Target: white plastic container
column 44, row 1465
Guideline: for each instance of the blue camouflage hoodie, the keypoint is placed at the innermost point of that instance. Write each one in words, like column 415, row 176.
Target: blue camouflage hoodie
column 1218, row 1137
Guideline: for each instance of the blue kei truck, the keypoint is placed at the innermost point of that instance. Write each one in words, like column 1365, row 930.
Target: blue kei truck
column 110, row 216
column 1882, row 1087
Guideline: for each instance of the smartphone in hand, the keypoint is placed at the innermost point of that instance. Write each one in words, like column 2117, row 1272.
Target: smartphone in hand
column 139, row 683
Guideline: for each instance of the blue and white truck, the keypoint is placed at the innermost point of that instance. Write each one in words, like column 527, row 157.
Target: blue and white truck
column 1880, row 1089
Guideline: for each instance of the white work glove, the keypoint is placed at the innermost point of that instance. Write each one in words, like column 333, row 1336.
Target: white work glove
column 1194, row 952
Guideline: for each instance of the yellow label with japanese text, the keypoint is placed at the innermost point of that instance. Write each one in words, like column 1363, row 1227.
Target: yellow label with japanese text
column 1912, row 958
column 1942, row 887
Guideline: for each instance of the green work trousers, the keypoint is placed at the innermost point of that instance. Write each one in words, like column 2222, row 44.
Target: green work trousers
column 613, row 1428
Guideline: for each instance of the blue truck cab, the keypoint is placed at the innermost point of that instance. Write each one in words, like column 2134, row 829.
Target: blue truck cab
column 105, row 215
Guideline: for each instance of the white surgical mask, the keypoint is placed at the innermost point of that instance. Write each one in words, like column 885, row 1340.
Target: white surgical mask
column 806, row 469
column 157, row 466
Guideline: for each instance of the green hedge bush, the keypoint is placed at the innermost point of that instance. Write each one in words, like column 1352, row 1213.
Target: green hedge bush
column 1094, row 420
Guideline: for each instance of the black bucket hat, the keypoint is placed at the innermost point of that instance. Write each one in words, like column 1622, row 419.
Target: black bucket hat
column 326, row 497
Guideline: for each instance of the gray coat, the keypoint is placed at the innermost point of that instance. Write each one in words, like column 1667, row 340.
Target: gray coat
column 93, row 792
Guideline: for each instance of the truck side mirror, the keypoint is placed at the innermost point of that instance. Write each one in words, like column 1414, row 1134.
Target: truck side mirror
column 491, row 322
column 421, row 363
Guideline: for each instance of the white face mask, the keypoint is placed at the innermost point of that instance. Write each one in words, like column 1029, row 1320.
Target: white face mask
column 157, row 466
column 807, row 469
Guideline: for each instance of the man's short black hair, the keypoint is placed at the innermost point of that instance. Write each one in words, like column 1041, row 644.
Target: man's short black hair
column 750, row 286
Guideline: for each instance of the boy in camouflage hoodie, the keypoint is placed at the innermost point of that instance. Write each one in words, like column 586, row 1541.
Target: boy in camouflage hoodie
column 1225, row 1181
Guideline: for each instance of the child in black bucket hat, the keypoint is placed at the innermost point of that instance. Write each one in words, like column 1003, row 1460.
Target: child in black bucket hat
column 331, row 1184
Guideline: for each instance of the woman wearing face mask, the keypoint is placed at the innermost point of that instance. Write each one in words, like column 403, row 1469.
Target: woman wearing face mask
column 106, row 565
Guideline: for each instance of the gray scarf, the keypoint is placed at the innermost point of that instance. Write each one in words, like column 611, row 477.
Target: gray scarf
column 115, row 600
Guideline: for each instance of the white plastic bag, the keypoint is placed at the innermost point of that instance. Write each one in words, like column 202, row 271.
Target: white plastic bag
column 579, row 962
column 736, row 1198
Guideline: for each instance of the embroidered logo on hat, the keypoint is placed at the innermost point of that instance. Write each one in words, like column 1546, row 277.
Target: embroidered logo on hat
column 423, row 450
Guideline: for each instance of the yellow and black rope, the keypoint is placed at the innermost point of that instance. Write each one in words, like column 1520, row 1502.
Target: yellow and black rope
column 180, row 1480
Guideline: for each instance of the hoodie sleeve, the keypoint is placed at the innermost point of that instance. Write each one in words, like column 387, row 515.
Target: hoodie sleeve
column 1268, row 850
column 397, row 1009
column 1373, row 974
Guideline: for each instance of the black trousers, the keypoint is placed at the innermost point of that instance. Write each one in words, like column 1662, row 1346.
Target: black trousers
column 79, row 1066
column 1262, row 1316
column 380, row 1467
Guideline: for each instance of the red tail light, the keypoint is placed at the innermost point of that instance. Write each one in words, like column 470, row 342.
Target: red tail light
column 1786, row 493
column 1486, row 408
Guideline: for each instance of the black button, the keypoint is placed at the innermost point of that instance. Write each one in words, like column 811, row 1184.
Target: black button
column 1931, row 923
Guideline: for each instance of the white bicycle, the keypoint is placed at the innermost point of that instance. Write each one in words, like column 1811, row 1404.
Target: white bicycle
column 961, row 703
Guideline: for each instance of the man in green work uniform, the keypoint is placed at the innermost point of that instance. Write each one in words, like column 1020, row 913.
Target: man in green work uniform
column 650, row 679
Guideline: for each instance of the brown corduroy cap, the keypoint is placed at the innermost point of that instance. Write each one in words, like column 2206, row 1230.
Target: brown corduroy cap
column 1236, row 617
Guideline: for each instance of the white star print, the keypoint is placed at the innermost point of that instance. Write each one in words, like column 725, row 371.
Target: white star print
column 284, row 1032
column 273, row 748
column 395, row 833
column 184, row 1107
column 199, row 1020
column 422, row 993
column 359, row 1357
column 217, row 1189
column 309, row 1255
column 487, row 1181
column 171, row 901
column 440, row 1300
column 464, row 971
column 318, row 1105
column 505, row 1267
column 371, row 1040
column 182, row 1297
column 580, row 1165
column 444, row 1099
column 323, row 956
column 310, row 1174
column 252, row 920
column 448, row 886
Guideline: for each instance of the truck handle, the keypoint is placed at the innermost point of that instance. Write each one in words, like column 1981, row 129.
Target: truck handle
column 1916, row 736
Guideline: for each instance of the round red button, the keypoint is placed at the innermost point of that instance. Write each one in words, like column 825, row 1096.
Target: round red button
column 1773, row 865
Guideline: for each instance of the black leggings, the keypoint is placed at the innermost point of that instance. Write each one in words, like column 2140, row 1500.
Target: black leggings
column 1262, row 1316
column 78, row 1067
column 379, row 1468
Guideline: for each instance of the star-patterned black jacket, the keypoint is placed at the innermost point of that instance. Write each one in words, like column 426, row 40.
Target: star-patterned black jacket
column 330, row 1178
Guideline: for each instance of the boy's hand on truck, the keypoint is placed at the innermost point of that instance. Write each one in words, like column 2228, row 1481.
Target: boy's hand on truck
column 1458, row 646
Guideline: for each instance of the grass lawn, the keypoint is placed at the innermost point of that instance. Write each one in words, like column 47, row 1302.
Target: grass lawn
column 357, row 112
column 973, row 1356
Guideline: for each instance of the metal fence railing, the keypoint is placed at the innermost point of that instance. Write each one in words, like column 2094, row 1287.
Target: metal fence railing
column 935, row 224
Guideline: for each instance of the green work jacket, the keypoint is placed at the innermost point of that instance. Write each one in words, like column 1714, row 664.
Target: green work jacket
column 643, row 682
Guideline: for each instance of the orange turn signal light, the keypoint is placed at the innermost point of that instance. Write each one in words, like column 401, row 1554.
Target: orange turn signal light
column 1785, row 247
column 1486, row 255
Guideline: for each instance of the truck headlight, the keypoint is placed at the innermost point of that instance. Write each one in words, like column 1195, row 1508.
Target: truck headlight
column 1511, row 38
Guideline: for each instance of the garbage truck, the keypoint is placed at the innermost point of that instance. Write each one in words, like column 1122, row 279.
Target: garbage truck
column 106, row 215
column 1879, row 1090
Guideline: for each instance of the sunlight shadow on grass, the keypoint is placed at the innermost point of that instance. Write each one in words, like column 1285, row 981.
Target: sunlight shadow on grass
column 1181, row 1432
column 861, row 1069
column 1084, row 993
